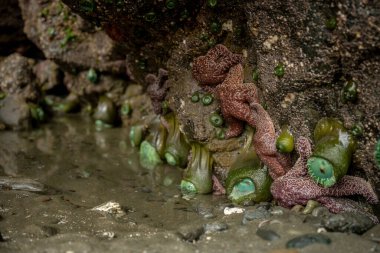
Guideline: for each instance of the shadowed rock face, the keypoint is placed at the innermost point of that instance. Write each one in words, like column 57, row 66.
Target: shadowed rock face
column 320, row 45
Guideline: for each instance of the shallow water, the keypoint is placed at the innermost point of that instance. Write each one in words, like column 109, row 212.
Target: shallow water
column 66, row 168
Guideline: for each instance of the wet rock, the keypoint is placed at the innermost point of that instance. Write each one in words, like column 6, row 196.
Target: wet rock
column 48, row 75
column 12, row 37
column 21, row 184
column 205, row 211
column 190, row 233
column 373, row 234
column 215, row 227
column 308, row 239
column 1, row 238
column 320, row 211
column 260, row 212
column 40, row 231
column 15, row 112
column 347, row 222
column 267, row 234
column 69, row 40
column 81, row 86
column 17, row 77
column 110, row 207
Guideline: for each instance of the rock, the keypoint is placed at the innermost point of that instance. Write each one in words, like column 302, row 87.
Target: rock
column 15, row 112
column 21, row 184
column 320, row 211
column 205, row 211
column 373, row 234
column 69, row 40
column 260, row 212
column 305, row 240
column 215, row 227
column 48, row 75
column 347, row 222
column 81, row 86
column 17, row 78
column 40, row 231
column 267, row 234
column 12, row 37
column 190, row 233
column 232, row 210
column 110, row 207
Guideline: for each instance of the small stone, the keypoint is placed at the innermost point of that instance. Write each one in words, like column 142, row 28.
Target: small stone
column 310, row 206
column 258, row 213
column 215, row 227
column 232, row 210
column 205, row 211
column 305, row 240
column 267, row 234
column 320, row 211
column 190, row 233
column 277, row 211
column 297, row 208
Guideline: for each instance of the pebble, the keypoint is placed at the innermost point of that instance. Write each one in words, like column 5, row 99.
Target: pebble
column 305, row 240
column 267, row 234
column 190, row 233
column 259, row 213
column 110, row 207
column 232, row 210
column 215, row 227
column 320, row 211
column 347, row 222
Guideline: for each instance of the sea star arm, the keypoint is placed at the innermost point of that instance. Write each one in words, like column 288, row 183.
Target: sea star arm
column 350, row 185
column 337, row 205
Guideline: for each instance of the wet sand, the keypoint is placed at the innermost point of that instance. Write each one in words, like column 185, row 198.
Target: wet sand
column 71, row 169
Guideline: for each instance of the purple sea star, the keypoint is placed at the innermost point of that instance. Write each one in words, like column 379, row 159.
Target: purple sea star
column 264, row 143
column 157, row 89
column 235, row 98
column 212, row 68
column 296, row 187
column 220, row 72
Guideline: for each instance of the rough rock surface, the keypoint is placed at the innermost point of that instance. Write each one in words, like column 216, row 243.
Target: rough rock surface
column 69, row 40
column 17, row 77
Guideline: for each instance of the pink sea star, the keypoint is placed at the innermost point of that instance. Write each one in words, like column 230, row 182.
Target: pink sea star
column 296, row 187
column 157, row 89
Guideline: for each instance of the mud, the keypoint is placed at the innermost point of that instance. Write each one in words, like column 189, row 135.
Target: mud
column 65, row 170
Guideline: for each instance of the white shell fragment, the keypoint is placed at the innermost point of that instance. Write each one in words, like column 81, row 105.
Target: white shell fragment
column 233, row 210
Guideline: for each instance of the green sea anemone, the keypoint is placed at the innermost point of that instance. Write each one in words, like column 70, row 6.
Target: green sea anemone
column 92, row 75
column 195, row 97
column 332, row 154
column 207, row 99
column 216, row 120
column 350, row 91
column 105, row 111
column 177, row 148
column 279, row 70
column 171, row 4
column 149, row 157
column 37, row 113
column 377, row 153
column 197, row 177
column 285, row 141
column 248, row 179
column 136, row 134
column 126, row 108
